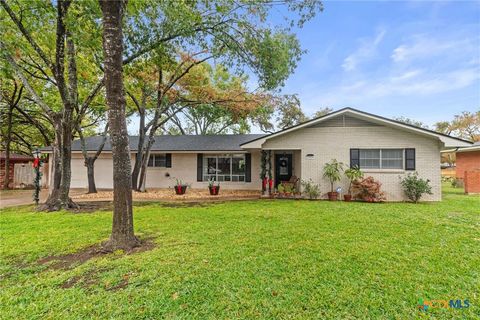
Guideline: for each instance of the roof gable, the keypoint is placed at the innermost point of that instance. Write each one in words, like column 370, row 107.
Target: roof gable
column 349, row 113
column 344, row 120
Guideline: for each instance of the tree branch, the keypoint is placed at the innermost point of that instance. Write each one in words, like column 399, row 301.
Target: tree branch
column 27, row 35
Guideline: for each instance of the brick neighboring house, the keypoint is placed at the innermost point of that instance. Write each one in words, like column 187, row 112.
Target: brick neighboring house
column 468, row 167
column 14, row 158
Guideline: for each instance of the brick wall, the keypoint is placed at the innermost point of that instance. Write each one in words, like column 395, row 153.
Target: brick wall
column 467, row 161
column 2, row 173
column 472, row 181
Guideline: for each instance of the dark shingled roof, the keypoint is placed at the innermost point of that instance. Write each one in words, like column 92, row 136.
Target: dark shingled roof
column 229, row 142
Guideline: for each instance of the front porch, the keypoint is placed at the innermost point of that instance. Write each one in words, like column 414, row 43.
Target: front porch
column 281, row 170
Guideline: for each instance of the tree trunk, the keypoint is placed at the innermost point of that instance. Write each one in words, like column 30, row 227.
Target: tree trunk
column 122, row 236
column 59, row 195
column 90, row 164
column 8, row 140
column 139, row 155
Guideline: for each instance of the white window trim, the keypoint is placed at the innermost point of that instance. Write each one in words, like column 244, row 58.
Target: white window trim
column 231, row 175
column 380, row 169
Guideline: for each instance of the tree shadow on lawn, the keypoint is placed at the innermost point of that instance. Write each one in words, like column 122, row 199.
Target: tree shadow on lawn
column 72, row 260
column 95, row 206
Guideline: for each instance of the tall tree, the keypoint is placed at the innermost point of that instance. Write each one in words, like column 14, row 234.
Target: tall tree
column 465, row 125
column 122, row 236
column 89, row 159
column 281, row 112
column 60, row 73
column 11, row 102
column 227, row 108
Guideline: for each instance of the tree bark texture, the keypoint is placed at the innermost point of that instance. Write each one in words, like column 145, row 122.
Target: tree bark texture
column 90, row 164
column 122, row 236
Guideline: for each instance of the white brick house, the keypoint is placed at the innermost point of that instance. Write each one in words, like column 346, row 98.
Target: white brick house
column 383, row 148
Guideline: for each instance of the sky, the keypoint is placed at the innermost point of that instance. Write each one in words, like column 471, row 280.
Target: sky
column 417, row 59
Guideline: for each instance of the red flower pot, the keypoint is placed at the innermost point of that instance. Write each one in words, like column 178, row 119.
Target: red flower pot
column 347, row 197
column 180, row 189
column 332, row 196
column 214, row 190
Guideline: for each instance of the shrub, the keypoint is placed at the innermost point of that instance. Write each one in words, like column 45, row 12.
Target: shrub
column 281, row 188
column 457, row 183
column 311, row 189
column 368, row 190
column 415, row 187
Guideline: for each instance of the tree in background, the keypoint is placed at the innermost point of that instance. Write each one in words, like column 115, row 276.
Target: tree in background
column 283, row 111
column 412, row 122
column 322, row 112
column 28, row 45
column 10, row 99
column 465, row 125
column 227, row 108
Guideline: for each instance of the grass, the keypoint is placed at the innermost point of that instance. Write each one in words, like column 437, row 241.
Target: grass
column 252, row 259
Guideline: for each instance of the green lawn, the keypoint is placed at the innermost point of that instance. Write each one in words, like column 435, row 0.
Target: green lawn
column 253, row 259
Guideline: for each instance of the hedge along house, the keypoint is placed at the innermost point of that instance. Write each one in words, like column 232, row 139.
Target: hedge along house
column 382, row 148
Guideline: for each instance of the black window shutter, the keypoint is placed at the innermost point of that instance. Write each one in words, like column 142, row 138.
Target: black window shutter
column 410, row 159
column 354, row 158
column 199, row 166
column 168, row 160
column 248, row 167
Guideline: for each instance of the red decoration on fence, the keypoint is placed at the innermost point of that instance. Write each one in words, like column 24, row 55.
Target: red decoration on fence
column 36, row 162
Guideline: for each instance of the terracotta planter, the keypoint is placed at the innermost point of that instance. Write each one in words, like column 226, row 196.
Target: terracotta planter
column 214, row 190
column 180, row 189
column 332, row 196
column 347, row 197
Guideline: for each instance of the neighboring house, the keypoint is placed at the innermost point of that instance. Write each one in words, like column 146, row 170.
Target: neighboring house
column 468, row 167
column 15, row 160
column 383, row 148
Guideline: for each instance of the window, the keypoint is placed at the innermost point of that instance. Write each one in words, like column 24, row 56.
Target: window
column 157, row 160
column 224, row 167
column 381, row 158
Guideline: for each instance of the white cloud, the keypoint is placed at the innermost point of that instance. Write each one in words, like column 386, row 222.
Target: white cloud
column 425, row 47
column 410, row 83
column 364, row 52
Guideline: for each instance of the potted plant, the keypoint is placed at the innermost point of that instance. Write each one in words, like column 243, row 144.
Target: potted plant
column 214, row 189
column 180, row 187
column 332, row 171
column 352, row 174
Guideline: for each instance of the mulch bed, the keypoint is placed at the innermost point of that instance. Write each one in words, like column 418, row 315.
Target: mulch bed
column 169, row 195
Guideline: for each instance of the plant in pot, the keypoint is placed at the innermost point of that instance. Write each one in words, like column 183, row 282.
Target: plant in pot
column 288, row 190
column 180, row 187
column 213, row 188
column 353, row 174
column 332, row 171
